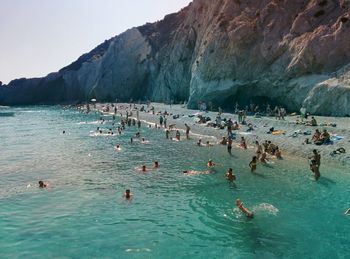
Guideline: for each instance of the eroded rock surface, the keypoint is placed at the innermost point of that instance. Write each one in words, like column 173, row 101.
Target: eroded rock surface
column 294, row 53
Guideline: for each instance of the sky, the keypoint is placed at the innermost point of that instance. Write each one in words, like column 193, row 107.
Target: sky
column 41, row 36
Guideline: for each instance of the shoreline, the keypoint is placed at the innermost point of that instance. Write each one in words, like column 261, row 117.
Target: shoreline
column 290, row 146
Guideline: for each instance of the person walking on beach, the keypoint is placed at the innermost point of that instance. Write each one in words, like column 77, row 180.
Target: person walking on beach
column 253, row 164
column 187, row 131
column 161, row 121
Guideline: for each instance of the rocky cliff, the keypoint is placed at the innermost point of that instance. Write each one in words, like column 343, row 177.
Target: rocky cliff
column 294, row 53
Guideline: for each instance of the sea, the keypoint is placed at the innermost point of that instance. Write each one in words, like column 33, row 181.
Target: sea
column 83, row 214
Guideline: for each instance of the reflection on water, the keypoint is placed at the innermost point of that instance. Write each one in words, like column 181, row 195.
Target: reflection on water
column 190, row 216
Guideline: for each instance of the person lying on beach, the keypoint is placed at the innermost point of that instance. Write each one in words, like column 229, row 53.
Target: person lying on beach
column 128, row 195
column 211, row 163
column 246, row 211
column 229, row 175
column 253, row 163
column 42, row 184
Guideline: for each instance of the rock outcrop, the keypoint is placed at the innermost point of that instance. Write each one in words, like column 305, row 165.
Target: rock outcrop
column 291, row 53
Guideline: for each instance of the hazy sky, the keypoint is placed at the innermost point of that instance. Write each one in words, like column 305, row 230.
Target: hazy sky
column 41, row 36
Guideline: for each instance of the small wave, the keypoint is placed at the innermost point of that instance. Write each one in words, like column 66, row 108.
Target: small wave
column 269, row 208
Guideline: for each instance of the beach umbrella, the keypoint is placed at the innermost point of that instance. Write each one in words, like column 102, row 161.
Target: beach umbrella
column 93, row 100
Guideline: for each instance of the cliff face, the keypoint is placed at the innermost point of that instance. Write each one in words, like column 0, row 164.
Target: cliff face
column 294, row 53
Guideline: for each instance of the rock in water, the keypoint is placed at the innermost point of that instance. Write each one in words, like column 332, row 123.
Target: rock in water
column 293, row 53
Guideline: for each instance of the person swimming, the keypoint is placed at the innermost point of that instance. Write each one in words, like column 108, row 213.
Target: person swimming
column 211, row 163
column 247, row 212
column 315, row 169
column 42, row 184
column 229, row 175
column 131, row 141
column 128, row 195
column 199, row 142
column 155, row 164
column 253, row 163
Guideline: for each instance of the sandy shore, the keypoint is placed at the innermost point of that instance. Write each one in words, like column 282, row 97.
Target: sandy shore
column 290, row 145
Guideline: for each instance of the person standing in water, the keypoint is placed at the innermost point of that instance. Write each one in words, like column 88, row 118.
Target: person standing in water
column 187, row 131
column 127, row 195
column 167, row 132
column 177, row 135
column 317, row 157
column 229, row 145
column 229, row 175
column 253, row 163
column 315, row 169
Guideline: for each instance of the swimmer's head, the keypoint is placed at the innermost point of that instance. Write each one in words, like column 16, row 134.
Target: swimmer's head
column 143, row 168
column 185, row 172
column 41, row 184
column 230, row 170
column 238, row 202
column 127, row 191
column 156, row 164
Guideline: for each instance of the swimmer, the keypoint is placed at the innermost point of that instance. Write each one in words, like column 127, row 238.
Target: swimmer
column 64, row 132
column 229, row 175
column 192, row 172
column 247, row 212
column 42, row 184
column 128, row 195
column 252, row 164
column 156, row 164
column 199, row 142
column 143, row 168
column 210, row 163
column 117, row 147
column 131, row 141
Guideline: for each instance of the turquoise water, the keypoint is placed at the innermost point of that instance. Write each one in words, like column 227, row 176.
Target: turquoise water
column 82, row 213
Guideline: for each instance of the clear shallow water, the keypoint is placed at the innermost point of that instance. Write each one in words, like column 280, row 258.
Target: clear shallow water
column 83, row 214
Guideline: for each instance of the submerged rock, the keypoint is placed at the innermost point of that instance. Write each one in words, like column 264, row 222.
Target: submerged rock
column 293, row 53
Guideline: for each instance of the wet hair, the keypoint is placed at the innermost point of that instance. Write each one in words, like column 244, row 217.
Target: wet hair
column 127, row 191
